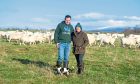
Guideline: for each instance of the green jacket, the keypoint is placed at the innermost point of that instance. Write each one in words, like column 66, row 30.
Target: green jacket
column 63, row 33
column 80, row 41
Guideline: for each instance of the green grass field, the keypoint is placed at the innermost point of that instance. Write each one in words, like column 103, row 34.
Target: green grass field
column 35, row 65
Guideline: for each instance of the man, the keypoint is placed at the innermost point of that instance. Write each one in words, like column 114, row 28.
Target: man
column 62, row 38
column 80, row 41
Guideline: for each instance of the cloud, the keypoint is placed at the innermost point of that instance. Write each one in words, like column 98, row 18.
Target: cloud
column 122, row 23
column 92, row 15
column 132, row 23
column 99, row 20
column 109, row 22
column 132, row 17
column 115, row 23
column 102, row 24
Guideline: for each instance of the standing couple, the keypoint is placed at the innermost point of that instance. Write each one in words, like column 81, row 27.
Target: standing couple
column 63, row 36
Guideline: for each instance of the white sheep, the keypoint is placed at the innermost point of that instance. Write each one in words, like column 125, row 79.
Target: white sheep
column 91, row 39
column 15, row 36
column 107, row 40
column 128, row 41
column 28, row 40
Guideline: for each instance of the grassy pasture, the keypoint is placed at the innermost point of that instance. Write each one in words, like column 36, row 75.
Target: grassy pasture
column 35, row 65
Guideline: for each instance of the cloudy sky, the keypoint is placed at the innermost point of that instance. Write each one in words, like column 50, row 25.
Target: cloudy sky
column 92, row 14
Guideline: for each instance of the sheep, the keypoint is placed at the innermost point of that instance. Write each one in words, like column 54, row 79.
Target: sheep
column 2, row 34
column 100, row 36
column 115, row 35
column 128, row 41
column 15, row 36
column 107, row 40
column 120, row 35
column 27, row 39
column 40, row 39
column 91, row 39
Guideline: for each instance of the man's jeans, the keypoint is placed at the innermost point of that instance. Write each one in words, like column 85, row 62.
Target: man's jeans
column 63, row 52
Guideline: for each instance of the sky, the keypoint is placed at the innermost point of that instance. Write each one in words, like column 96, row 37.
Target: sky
column 92, row 14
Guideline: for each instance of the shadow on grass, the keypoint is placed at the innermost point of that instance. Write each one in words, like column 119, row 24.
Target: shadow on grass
column 37, row 63
column 40, row 64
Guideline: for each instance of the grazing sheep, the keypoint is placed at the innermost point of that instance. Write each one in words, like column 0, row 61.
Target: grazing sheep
column 92, row 39
column 28, row 40
column 107, row 40
column 128, row 41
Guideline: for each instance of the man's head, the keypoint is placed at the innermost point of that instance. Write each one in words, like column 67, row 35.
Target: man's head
column 67, row 19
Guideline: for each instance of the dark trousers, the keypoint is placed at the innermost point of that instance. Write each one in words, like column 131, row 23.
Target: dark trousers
column 80, row 63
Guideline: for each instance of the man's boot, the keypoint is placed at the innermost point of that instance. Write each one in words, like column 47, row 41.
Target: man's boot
column 58, row 64
column 65, row 65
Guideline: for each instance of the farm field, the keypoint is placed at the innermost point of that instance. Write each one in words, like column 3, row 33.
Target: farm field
column 34, row 64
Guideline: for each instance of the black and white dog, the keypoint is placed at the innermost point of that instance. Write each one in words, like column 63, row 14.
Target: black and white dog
column 62, row 71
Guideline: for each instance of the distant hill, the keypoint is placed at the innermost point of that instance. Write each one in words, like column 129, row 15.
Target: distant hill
column 113, row 29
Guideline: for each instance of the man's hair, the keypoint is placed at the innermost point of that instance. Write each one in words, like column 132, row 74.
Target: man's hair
column 67, row 16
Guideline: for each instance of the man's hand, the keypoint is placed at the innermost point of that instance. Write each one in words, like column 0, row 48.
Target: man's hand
column 57, row 45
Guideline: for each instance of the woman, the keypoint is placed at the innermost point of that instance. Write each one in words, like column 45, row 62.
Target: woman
column 80, row 41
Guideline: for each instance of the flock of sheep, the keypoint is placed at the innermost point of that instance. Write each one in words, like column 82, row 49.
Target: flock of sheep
column 28, row 37
column 110, row 39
